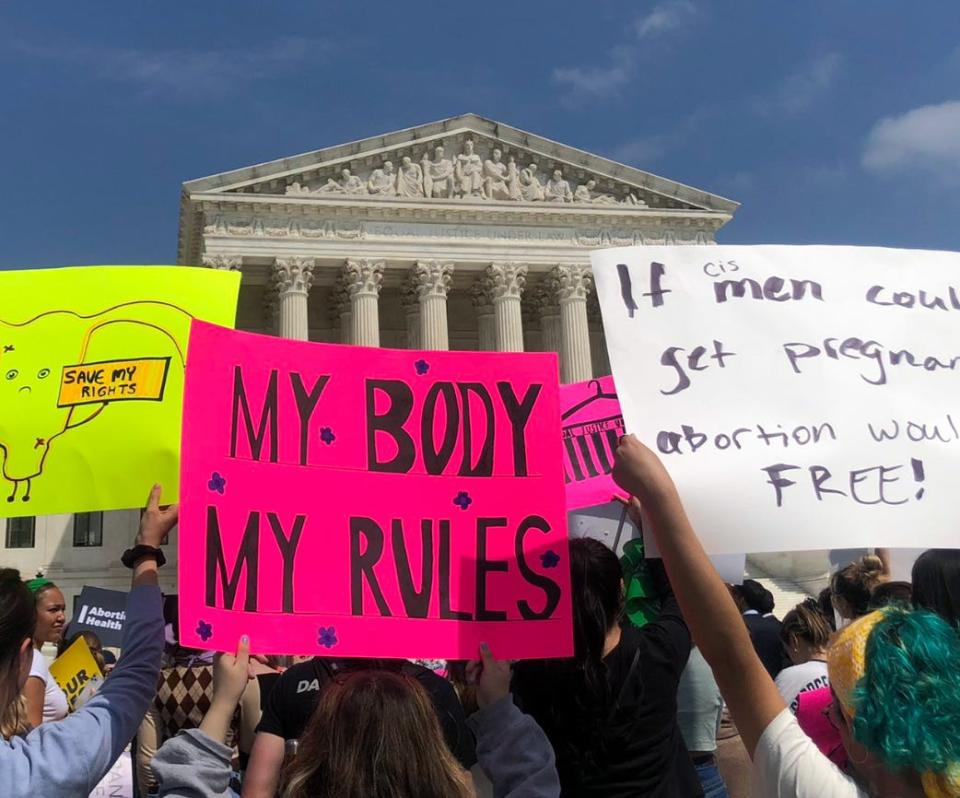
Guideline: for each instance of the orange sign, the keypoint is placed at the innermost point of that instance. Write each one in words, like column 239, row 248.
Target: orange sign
column 113, row 380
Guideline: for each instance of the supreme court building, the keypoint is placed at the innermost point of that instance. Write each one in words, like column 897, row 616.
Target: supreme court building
column 462, row 234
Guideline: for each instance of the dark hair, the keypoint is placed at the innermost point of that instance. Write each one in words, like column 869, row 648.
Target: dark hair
column 18, row 619
column 374, row 734
column 569, row 697
column 825, row 605
column 755, row 596
column 18, row 615
column 887, row 593
column 855, row 583
column 806, row 622
column 936, row 583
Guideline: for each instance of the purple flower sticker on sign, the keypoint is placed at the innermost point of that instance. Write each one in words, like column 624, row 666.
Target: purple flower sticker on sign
column 204, row 631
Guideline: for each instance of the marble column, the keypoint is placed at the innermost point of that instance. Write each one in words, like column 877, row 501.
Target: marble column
column 486, row 328
column 362, row 278
column 411, row 313
column 505, row 283
column 573, row 286
column 433, row 279
column 293, row 277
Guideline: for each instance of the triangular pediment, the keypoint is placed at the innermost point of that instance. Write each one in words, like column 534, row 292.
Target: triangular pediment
column 478, row 160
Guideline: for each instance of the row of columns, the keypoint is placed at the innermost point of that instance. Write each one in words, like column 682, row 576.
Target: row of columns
column 560, row 301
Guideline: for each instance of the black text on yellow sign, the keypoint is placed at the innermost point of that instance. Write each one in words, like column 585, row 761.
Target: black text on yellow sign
column 114, row 381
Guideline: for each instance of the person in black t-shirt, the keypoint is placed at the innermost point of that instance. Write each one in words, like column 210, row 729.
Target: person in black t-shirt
column 610, row 712
column 294, row 698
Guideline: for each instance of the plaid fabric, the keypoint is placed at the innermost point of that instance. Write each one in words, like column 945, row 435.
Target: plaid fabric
column 184, row 695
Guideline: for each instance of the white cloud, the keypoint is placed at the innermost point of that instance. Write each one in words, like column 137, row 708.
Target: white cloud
column 598, row 81
column 184, row 72
column 665, row 17
column 801, row 89
column 622, row 64
column 926, row 138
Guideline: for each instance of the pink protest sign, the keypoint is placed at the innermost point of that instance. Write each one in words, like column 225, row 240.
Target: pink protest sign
column 592, row 427
column 360, row 502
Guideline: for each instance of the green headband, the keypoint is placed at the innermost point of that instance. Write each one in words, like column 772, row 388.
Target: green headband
column 38, row 584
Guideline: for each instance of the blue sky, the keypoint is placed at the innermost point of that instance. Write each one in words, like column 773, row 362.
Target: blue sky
column 831, row 121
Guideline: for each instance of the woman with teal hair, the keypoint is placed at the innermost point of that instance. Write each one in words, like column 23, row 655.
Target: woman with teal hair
column 894, row 675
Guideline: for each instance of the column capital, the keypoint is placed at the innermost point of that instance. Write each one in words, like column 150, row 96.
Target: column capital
column 543, row 298
column 363, row 276
column 572, row 282
column 432, row 278
column 480, row 296
column 293, row 275
column 505, row 279
column 227, row 263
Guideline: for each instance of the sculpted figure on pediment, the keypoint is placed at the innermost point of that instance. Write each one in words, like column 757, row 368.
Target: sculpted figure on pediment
column 495, row 177
column 351, row 183
column 557, row 189
column 409, row 178
column 513, row 180
column 586, row 193
column 296, row 190
column 383, row 181
column 633, row 199
column 438, row 175
column 469, row 172
column 530, row 188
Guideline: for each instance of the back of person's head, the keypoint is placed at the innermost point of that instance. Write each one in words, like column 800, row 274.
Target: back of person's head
column 936, row 583
column 596, row 581
column 755, row 596
column 891, row 593
column 18, row 618
column 825, row 604
column 806, row 622
column 852, row 586
column 374, row 734
column 895, row 675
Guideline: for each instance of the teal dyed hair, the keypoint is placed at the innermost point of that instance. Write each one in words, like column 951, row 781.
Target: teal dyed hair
column 907, row 705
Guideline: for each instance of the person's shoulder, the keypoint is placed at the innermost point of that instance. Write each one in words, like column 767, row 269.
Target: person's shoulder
column 39, row 667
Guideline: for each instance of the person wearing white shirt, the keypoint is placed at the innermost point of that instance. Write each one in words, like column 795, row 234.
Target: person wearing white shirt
column 805, row 634
column 893, row 672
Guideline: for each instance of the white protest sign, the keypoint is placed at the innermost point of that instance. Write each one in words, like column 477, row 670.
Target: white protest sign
column 801, row 397
column 118, row 783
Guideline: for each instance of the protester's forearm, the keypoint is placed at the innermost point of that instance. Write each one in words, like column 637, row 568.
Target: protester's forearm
column 216, row 723
column 708, row 609
column 145, row 573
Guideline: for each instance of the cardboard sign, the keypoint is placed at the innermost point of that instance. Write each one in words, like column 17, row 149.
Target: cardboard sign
column 76, row 671
column 370, row 502
column 103, row 612
column 801, row 397
column 118, row 783
column 592, row 428
column 91, row 381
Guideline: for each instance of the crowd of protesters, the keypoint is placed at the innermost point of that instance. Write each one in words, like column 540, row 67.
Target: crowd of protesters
column 856, row 693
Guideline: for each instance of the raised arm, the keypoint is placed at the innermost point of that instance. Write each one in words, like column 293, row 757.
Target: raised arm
column 71, row 756
column 717, row 627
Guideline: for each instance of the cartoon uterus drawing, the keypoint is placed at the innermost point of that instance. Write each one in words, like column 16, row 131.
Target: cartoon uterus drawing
column 54, row 376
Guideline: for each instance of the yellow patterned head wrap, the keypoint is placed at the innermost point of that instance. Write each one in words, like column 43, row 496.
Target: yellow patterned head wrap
column 847, row 664
column 847, row 658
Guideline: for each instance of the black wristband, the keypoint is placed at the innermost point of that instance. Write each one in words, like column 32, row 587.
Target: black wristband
column 132, row 556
